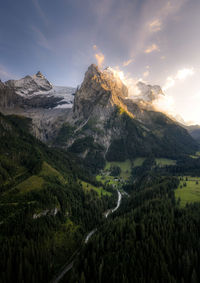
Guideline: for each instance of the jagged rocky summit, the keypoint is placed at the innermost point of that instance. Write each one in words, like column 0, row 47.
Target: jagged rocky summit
column 104, row 122
column 37, row 92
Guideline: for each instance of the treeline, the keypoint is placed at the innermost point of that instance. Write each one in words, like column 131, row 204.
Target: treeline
column 150, row 240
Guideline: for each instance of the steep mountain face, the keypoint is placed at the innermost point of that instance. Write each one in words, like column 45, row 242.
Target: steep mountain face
column 8, row 98
column 30, row 84
column 194, row 131
column 37, row 92
column 35, row 97
column 105, row 123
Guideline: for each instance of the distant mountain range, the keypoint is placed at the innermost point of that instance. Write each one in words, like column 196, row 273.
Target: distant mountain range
column 98, row 121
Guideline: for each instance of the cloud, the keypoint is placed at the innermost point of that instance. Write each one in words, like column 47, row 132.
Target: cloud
column 153, row 47
column 146, row 74
column 128, row 62
column 100, row 59
column 5, row 74
column 184, row 73
column 165, row 104
column 153, row 16
column 155, row 25
column 94, row 47
column 40, row 11
column 41, row 39
column 170, row 82
column 180, row 75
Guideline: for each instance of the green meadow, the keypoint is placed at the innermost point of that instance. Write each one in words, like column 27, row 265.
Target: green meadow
column 124, row 166
column 165, row 161
column 189, row 193
column 99, row 190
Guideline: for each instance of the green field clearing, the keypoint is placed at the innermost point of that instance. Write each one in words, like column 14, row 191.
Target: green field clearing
column 47, row 170
column 99, row 190
column 190, row 193
column 106, row 179
column 36, row 182
column 165, row 161
column 197, row 155
column 138, row 161
column 125, row 167
column 30, row 184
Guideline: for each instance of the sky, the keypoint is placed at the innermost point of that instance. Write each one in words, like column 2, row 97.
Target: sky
column 154, row 40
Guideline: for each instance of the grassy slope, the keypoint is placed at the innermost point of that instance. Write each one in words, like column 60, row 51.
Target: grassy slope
column 190, row 193
column 86, row 186
column 125, row 167
column 165, row 161
column 138, row 161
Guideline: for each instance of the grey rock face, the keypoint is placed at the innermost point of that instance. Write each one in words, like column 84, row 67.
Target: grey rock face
column 30, row 84
column 104, row 122
column 8, row 98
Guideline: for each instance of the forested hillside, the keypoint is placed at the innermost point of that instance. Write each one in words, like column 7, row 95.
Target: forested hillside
column 45, row 211
column 150, row 239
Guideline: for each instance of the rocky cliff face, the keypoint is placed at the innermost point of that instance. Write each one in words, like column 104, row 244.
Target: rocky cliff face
column 106, row 123
column 8, row 98
column 30, row 84
column 37, row 92
column 99, row 90
column 36, row 98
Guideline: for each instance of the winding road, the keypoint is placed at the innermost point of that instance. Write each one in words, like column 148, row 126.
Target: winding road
column 69, row 266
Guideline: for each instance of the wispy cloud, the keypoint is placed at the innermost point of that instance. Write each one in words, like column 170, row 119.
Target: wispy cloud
column 153, row 20
column 128, row 62
column 5, row 74
column 181, row 74
column 155, row 25
column 146, row 74
column 41, row 38
column 151, row 48
column 100, row 59
column 98, row 56
column 40, row 11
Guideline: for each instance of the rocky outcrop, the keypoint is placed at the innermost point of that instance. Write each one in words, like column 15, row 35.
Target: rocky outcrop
column 8, row 97
column 30, row 84
column 37, row 92
column 106, row 123
column 99, row 92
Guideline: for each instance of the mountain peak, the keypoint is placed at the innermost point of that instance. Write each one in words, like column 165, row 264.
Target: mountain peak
column 99, row 88
column 30, row 84
column 39, row 74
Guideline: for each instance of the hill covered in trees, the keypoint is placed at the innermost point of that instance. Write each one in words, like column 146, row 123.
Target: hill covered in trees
column 44, row 210
column 150, row 239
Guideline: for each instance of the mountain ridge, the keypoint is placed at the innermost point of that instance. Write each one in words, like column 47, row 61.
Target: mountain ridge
column 105, row 123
